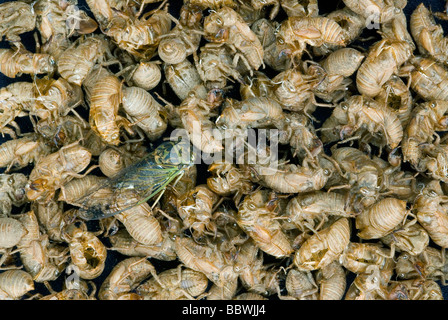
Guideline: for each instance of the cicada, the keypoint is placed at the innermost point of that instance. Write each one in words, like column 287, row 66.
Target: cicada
column 139, row 182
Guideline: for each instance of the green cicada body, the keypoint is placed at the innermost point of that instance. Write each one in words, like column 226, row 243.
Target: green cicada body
column 139, row 182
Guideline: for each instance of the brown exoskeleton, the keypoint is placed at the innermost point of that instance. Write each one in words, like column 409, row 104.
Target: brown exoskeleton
column 298, row 130
column 227, row 179
column 415, row 289
column 297, row 32
column 35, row 253
column 122, row 242
column 255, row 112
column 435, row 161
column 429, row 264
column 72, row 290
column 309, row 211
column 381, row 218
column 426, row 118
column 56, row 98
column 16, row 99
column 361, row 175
column 145, row 111
column 364, row 113
column 125, row 276
column 205, row 258
column 76, row 62
column 285, row 178
column 183, row 78
column 57, row 21
column 18, row 153
column 105, row 100
column 183, row 40
column 16, row 17
column 427, row 34
column 412, row 238
column 58, row 131
column 227, row 27
column 352, row 23
column 196, row 210
column 294, row 8
column 11, row 231
column 255, row 276
column 214, row 65
column 294, row 89
column 249, row 296
column 88, row 254
column 377, row 12
column 428, row 78
column 332, row 282
column 259, row 85
column 384, row 59
column 171, row 198
column 76, row 188
column 225, row 292
column 255, row 217
column 56, row 169
column 14, row 284
column 14, row 63
column 212, row 4
column 362, row 257
column 141, row 224
column 146, row 75
column 397, row 96
column 139, row 36
column 195, row 113
column 12, row 191
column 51, row 218
column 174, row 284
column 432, row 214
column 338, row 66
column 324, row 247
column 113, row 159
column 273, row 56
column 368, row 286
column 300, row 285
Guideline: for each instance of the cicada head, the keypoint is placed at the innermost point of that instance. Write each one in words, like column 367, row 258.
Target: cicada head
column 215, row 28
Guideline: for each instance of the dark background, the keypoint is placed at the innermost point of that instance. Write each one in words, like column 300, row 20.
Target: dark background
column 325, row 6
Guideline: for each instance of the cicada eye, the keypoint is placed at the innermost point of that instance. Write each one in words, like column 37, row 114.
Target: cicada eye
column 344, row 105
column 289, row 86
column 327, row 172
column 364, row 191
column 280, row 40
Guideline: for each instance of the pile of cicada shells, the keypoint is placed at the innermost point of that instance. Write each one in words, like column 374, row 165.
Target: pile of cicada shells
column 358, row 194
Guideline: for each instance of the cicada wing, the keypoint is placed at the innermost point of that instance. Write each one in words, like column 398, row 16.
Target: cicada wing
column 106, row 202
column 125, row 191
